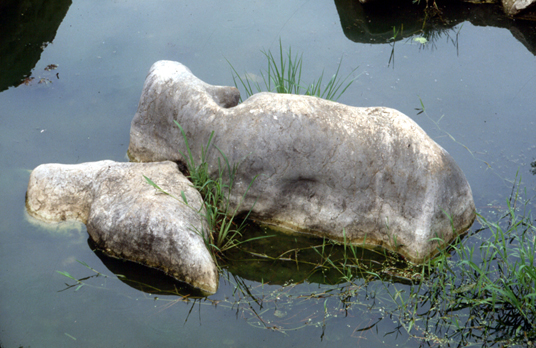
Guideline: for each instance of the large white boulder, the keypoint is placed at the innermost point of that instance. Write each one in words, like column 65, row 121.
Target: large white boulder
column 365, row 175
column 127, row 217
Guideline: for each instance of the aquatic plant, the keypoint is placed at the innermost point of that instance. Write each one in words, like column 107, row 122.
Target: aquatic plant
column 224, row 226
column 484, row 293
column 283, row 75
column 392, row 43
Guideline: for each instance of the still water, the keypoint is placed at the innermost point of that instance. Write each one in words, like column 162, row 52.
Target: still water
column 476, row 77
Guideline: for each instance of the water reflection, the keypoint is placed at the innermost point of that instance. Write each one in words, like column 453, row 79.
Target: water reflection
column 298, row 258
column 117, row 316
column 26, row 28
column 281, row 260
column 143, row 278
column 371, row 23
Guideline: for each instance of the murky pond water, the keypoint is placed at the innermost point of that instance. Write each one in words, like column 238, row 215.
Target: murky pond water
column 476, row 77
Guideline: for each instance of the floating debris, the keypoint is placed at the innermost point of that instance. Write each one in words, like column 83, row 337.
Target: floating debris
column 280, row 314
column 26, row 81
column 421, row 40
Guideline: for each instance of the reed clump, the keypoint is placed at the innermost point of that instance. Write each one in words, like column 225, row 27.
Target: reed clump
column 225, row 228
column 284, row 75
column 482, row 289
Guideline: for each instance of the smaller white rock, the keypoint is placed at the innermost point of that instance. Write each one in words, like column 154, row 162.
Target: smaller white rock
column 127, row 217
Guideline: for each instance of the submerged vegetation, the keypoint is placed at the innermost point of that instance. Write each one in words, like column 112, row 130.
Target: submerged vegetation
column 283, row 75
column 480, row 291
column 484, row 293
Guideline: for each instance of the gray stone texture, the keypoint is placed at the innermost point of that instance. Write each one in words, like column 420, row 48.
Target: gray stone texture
column 368, row 175
column 127, row 217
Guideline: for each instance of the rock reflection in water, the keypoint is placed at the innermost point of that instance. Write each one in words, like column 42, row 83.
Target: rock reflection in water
column 373, row 23
column 26, row 28
column 143, row 278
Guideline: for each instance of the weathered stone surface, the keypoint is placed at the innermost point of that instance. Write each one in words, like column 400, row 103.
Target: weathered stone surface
column 127, row 217
column 370, row 175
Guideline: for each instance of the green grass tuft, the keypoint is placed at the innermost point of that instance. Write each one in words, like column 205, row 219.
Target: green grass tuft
column 225, row 229
column 283, row 75
column 482, row 289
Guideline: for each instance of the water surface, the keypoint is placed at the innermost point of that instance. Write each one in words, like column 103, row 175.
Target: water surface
column 476, row 77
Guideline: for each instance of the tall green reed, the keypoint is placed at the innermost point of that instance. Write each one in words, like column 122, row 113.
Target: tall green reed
column 283, row 75
column 482, row 289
